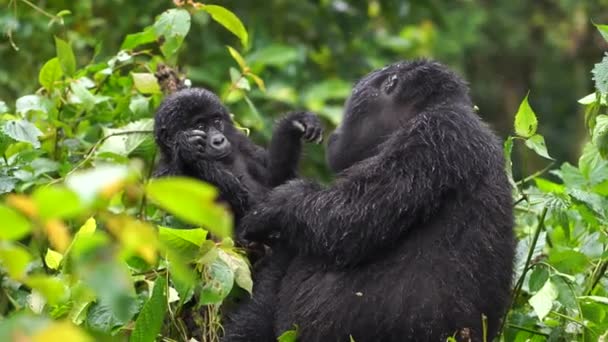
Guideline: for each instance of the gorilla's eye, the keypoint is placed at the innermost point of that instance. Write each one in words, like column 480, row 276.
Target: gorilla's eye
column 217, row 122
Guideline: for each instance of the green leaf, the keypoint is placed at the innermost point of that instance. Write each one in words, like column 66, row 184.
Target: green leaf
column 173, row 25
column 276, row 55
column 600, row 135
column 192, row 201
column 50, row 73
column 237, row 57
column 29, row 103
column 525, row 120
column 538, row 278
column 150, row 319
column 596, row 299
column 186, row 242
column 22, row 130
column 53, row 289
column 140, row 38
column 600, row 75
column 66, row 56
column 89, row 183
column 53, row 259
column 537, row 144
column 238, row 265
column 146, row 83
column 568, row 261
column 542, row 301
column 15, row 259
column 290, row 335
column 126, row 144
column 229, row 20
column 603, row 30
column 218, row 284
column 82, row 297
column 13, row 226
column 56, row 202
column 334, row 89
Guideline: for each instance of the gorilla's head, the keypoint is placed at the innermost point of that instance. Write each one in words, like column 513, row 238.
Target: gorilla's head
column 384, row 101
column 199, row 113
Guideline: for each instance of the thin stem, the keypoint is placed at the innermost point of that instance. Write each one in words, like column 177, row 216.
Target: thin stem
column 40, row 10
column 531, row 331
column 89, row 154
column 536, row 174
column 597, row 275
column 520, row 281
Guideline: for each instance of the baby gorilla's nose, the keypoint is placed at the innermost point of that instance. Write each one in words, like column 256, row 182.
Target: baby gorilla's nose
column 218, row 141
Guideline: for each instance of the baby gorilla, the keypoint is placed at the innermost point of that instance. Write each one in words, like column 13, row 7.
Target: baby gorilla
column 197, row 138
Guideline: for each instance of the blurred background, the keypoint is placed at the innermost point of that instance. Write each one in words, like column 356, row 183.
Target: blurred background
column 309, row 53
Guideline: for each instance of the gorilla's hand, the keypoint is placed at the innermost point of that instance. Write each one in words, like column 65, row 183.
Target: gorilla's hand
column 190, row 146
column 308, row 125
column 259, row 223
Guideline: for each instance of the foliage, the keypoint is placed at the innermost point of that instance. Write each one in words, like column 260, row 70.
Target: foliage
column 86, row 251
column 92, row 249
column 561, row 217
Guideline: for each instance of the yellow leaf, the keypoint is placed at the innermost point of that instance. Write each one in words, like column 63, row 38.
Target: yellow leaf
column 53, row 259
column 238, row 58
column 58, row 235
column 61, row 331
column 24, row 204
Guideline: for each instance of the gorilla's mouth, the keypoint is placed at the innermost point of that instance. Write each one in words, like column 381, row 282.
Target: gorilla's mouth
column 219, row 154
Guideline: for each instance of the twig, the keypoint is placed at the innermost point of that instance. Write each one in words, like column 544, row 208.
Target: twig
column 536, row 174
column 101, row 141
column 531, row 331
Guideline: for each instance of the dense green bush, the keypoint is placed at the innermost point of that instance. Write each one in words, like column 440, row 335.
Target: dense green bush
column 91, row 249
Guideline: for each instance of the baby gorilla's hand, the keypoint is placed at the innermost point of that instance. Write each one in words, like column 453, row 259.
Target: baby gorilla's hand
column 190, row 145
column 309, row 125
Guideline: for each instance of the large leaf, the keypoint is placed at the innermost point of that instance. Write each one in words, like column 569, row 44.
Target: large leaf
column 13, row 226
column 125, row 140
column 150, row 319
column 66, row 56
column 173, row 25
column 192, row 201
column 90, row 183
column 146, row 83
column 29, row 103
column 15, row 259
column 229, row 20
column 140, row 38
column 56, row 202
column 542, row 301
column 22, row 130
column 537, row 144
column 186, row 242
column 50, row 73
column 525, row 120
column 219, row 282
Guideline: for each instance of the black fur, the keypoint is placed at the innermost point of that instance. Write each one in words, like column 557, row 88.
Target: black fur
column 185, row 125
column 414, row 240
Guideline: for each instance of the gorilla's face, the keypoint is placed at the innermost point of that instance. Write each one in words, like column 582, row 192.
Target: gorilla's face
column 372, row 113
column 198, row 116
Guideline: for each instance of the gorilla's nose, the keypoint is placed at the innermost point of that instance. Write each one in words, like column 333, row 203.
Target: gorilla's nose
column 218, row 142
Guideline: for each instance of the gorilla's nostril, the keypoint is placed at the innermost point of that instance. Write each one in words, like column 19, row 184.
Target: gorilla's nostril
column 218, row 141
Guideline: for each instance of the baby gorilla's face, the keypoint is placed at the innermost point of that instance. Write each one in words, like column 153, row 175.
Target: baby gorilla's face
column 208, row 136
column 372, row 113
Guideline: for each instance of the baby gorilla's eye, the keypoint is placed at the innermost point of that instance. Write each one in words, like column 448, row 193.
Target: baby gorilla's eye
column 218, row 123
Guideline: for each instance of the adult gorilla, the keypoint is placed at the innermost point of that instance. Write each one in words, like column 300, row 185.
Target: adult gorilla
column 414, row 240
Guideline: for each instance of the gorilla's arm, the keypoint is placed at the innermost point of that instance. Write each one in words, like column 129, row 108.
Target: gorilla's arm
column 377, row 200
column 286, row 145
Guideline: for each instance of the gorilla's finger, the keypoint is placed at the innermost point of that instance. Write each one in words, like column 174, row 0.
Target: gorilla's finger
column 197, row 139
column 299, row 126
